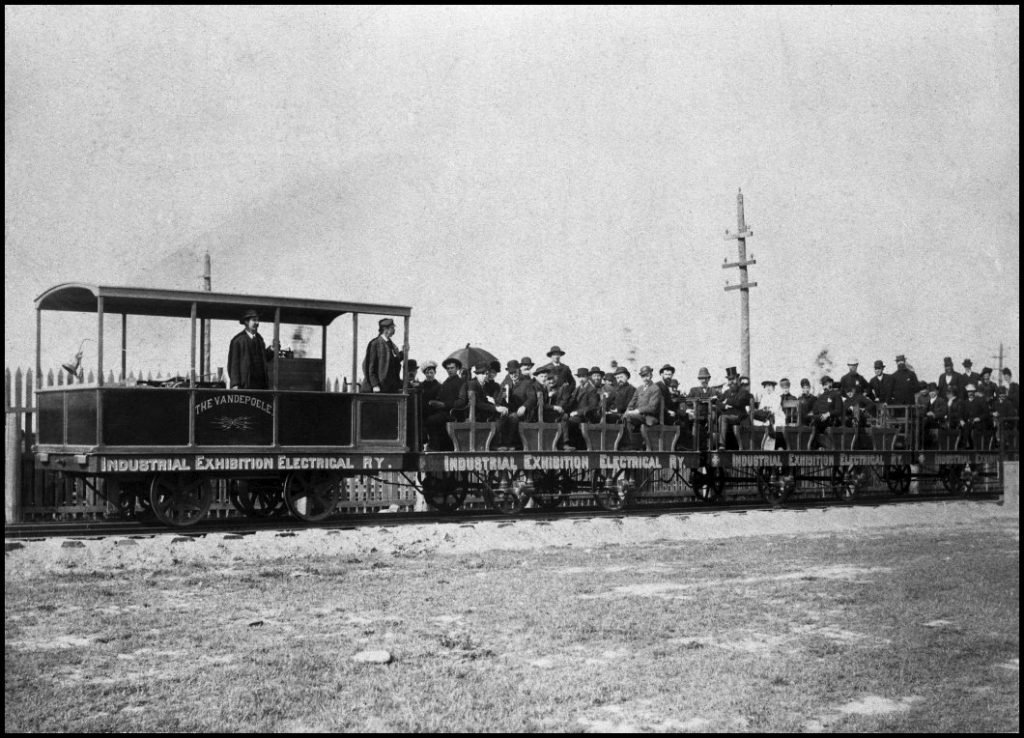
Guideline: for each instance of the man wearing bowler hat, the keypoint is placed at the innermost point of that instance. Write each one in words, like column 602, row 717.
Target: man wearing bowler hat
column 621, row 396
column 644, row 408
column 383, row 362
column 248, row 355
column 970, row 376
column 561, row 373
column 450, row 399
column 880, row 385
column 904, row 383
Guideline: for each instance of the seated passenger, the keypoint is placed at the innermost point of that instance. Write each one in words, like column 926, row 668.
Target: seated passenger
column 621, row 397
column 934, row 416
column 735, row 406
column 806, row 400
column 556, row 398
column 484, row 406
column 979, row 418
column 411, row 370
column 669, row 400
column 827, row 412
column 450, row 397
column 520, row 399
column 770, row 415
column 788, row 401
column 584, row 407
column 644, row 408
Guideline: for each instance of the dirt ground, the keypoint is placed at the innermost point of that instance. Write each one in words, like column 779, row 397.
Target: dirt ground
column 127, row 553
column 840, row 619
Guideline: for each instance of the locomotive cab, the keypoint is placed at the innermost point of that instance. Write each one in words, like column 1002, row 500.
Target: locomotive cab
column 119, row 428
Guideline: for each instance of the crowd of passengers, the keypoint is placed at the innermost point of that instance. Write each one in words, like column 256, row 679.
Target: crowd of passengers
column 967, row 407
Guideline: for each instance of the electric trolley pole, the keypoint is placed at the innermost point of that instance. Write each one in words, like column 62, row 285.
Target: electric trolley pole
column 744, row 286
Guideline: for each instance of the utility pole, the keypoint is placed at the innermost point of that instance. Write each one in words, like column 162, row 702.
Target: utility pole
column 1000, row 370
column 744, row 286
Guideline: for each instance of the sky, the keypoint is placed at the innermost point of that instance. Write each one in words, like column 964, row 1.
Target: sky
column 524, row 177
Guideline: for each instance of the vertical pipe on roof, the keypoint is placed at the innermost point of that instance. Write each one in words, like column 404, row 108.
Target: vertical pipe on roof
column 99, row 357
column 124, row 347
column 192, row 347
column 405, row 355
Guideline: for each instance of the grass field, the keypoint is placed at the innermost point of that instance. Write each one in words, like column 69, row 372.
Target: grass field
column 912, row 629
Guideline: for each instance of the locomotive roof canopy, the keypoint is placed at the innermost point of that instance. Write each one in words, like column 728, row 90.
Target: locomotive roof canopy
column 84, row 298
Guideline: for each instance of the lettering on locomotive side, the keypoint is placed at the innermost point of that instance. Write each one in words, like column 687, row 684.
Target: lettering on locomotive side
column 290, row 463
column 233, row 463
column 256, row 402
column 242, row 463
column 145, row 465
column 954, row 458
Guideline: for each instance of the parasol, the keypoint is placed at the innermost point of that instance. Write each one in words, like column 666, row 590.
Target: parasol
column 470, row 356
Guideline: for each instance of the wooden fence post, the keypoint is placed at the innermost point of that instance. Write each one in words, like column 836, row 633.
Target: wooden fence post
column 12, row 469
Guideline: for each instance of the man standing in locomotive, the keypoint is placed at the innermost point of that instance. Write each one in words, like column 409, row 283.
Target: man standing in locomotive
column 853, row 377
column 248, row 355
column 583, row 407
column 450, row 397
column 383, row 362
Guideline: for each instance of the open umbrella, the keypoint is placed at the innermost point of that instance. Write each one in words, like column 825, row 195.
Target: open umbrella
column 471, row 356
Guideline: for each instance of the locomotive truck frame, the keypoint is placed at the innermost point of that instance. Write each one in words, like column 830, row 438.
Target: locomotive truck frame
column 159, row 446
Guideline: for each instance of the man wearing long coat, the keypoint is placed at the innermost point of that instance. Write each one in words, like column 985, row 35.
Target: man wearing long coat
column 248, row 356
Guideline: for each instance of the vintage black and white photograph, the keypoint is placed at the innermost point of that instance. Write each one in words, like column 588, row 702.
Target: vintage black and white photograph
column 561, row 369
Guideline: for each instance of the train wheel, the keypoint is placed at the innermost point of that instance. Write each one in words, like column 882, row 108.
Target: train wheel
column 708, row 483
column 897, row 478
column 257, row 498
column 311, row 495
column 442, row 492
column 551, row 487
column 613, row 491
column 847, row 482
column 180, row 500
column 507, row 492
column 959, row 479
column 774, row 485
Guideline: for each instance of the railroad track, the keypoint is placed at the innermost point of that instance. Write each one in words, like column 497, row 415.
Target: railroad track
column 284, row 524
